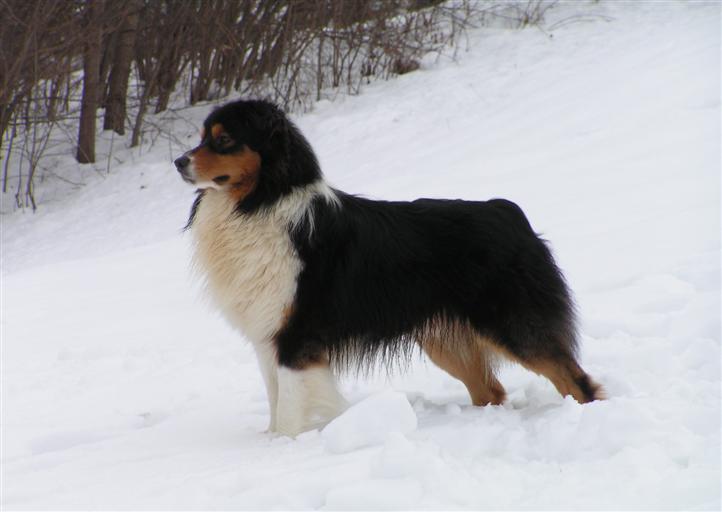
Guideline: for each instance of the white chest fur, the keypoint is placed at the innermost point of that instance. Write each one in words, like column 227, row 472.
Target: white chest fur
column 249, row 263
column 251, row 271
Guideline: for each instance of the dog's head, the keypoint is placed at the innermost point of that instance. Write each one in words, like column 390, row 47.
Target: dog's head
column 249, row 148
column 229, row 155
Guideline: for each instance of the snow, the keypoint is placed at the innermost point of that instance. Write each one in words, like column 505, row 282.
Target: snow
column 122, row 389
column 370, row 422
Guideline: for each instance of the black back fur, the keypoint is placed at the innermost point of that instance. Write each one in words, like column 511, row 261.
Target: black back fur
column 376, row 272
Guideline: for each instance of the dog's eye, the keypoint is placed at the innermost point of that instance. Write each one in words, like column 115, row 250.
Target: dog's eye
column 224, row 141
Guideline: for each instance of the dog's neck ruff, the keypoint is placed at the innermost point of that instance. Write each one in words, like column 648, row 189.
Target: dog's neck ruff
column 248, row 261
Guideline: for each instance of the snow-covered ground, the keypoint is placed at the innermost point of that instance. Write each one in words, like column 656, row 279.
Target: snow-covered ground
column 121, row 389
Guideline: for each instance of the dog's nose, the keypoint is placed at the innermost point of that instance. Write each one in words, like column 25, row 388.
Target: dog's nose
column 181, row 163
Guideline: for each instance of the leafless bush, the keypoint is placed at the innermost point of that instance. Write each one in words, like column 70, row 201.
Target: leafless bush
column 62, row 61
column 38, row 46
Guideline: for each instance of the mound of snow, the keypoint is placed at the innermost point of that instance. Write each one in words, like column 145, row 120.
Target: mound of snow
column 370, row 422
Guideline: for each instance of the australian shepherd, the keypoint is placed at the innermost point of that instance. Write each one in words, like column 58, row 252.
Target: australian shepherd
column 320, row 280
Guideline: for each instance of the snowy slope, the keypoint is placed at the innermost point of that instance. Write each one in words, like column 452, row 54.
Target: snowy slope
column 121, row 389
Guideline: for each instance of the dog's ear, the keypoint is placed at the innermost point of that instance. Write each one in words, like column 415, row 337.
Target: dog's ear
column 268, row 125
column 276, row 128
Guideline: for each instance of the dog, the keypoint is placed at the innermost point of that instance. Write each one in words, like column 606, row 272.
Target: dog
column 319, row 280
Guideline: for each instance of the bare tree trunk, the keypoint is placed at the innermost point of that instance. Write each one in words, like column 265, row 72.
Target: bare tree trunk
column 6, row 114
column 91, row 75
column 138, row 126
column 117, row 95
column 107, row 58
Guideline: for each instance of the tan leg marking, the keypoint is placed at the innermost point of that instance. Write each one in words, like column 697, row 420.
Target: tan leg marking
column 462, row 355
column 564, row 372
column 569, row 379
column 473, row 370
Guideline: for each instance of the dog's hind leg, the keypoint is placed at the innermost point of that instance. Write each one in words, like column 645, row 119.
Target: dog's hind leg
column 568, row 377
column 556, row 362
column 470, row 362
column 307, row 398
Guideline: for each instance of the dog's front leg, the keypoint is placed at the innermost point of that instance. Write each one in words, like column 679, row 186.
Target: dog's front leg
column 307, row 399
column 268, row 363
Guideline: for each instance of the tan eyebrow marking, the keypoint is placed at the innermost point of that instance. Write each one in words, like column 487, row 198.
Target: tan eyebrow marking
column 217, row 129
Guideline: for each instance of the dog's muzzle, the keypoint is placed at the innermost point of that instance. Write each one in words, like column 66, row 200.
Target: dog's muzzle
column 183, row 165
